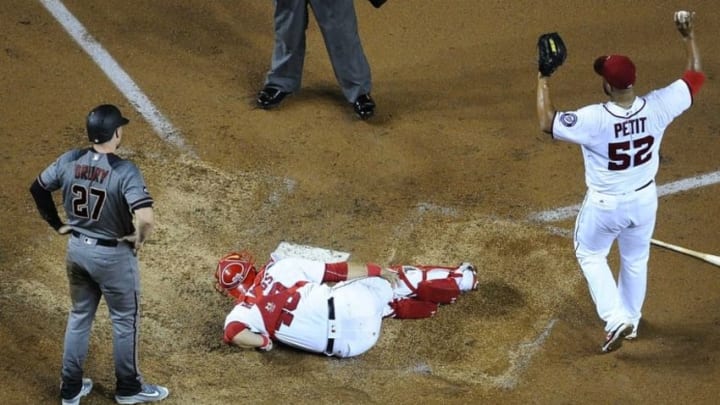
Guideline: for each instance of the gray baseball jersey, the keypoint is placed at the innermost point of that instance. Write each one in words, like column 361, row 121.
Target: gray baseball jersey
column 99, row 191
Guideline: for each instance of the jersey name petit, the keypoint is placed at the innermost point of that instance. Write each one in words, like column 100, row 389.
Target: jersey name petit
column 630, row 127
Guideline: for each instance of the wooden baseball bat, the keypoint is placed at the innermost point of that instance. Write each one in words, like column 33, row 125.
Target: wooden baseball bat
column 712, row 259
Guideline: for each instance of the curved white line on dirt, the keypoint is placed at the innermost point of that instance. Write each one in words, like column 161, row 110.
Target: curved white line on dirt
column 116, row 74
column 520, row 359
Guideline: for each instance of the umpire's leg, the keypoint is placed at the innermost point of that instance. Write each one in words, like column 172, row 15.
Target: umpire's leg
column 338, row 23
column 291, row 20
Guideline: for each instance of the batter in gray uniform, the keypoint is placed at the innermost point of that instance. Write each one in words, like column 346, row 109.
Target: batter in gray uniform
column 100, row 194
column 338, row 24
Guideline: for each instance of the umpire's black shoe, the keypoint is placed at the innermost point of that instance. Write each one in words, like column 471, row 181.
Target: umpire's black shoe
column 364, row 106
column 270, row 97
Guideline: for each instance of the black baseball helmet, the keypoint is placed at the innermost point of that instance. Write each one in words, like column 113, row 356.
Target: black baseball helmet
column 102, row 122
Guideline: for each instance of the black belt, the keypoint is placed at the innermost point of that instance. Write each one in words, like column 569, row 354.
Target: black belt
column 98, row 241
column 331, row 316
column 644, row 185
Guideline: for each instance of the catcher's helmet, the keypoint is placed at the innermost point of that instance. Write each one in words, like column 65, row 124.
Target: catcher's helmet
column 236, row 270
column 102, row 122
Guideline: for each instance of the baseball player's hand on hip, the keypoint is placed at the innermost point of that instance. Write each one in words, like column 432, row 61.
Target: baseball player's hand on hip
column 137, row 246
column 133, row 240
column 64, row 229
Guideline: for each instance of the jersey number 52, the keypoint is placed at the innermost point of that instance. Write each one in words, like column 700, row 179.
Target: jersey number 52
column 625, row 154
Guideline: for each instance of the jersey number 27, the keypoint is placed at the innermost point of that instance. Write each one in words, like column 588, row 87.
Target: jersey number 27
column 630, row 153
column 83, row 199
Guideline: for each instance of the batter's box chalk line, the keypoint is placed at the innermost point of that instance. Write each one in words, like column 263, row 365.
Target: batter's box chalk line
column 519, row 360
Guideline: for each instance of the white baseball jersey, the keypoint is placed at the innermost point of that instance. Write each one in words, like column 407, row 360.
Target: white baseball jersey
column 296, row 309
column 621, row 146
column 621, row 151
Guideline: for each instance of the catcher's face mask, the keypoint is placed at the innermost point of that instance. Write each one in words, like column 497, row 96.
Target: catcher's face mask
column 236, row 269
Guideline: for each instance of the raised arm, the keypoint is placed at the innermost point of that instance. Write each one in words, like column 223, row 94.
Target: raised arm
column 684, row 21
column 545, row 109
column 551, row 55
column 693, row 76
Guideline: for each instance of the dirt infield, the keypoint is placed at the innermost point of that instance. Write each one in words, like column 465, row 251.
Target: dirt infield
column 449, row 170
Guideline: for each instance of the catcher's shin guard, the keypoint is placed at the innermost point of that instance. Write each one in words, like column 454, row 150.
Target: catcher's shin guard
column 439, row 291
column 413, row 309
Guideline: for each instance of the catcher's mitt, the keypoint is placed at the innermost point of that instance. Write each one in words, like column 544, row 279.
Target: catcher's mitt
column 551, row 53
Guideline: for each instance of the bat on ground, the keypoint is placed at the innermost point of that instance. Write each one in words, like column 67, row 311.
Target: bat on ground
column 712, row 259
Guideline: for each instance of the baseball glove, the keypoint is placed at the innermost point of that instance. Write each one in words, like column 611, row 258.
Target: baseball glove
column 551, row 53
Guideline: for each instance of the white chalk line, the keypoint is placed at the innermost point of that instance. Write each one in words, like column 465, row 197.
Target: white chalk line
column 520, row 359
column 674, row 187
column 116, row 74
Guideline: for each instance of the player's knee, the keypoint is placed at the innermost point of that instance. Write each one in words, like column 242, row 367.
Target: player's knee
column 232, row 330
column 582, row 253
column 589, row 260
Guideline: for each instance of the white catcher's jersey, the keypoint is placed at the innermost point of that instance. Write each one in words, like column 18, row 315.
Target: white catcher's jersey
column 621, row 146
column 358, row 307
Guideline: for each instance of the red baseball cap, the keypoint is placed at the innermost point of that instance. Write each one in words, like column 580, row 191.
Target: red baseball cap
column 617, row 70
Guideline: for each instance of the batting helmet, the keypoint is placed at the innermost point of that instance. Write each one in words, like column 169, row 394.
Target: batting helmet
column 236, row 270
column 103, row 121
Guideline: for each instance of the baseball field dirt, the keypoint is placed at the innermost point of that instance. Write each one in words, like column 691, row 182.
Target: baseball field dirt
column 452, row 168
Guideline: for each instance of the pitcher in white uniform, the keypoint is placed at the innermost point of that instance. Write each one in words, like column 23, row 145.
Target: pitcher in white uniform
column 620, row 141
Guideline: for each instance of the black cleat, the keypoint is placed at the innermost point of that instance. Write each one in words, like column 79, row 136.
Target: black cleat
column 270, row 97
column 364, row 106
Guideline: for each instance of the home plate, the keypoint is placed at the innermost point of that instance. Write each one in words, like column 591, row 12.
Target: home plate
column 287, row 249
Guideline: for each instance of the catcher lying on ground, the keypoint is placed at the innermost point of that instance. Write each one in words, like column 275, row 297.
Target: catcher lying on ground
column 331, row 308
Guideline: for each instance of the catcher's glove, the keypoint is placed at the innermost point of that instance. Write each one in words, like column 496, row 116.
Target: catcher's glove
column 551, row 53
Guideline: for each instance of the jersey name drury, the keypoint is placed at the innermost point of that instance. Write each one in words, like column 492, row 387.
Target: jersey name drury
column 92, row 173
